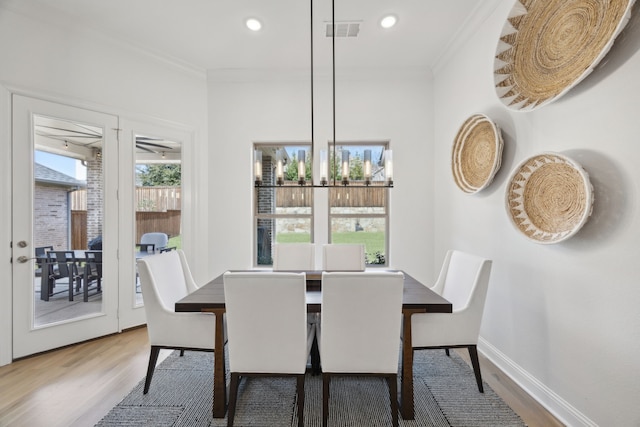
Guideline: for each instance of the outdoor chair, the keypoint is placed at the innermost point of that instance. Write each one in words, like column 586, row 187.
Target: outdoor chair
column 151, row 242
column 463, row 280
column 41, row 254
column 92, row 271
column 164, row 281
column 63, row 266
column 267, row 330
column 355, row 342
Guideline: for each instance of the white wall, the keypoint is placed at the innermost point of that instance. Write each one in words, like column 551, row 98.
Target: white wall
column 394, row 106
column 58, row 61
column 562, row 319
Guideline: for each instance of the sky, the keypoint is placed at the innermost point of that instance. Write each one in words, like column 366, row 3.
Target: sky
column 66, row 165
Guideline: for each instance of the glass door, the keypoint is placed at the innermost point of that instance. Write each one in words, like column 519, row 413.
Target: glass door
column 151, row 201
column 65, row 217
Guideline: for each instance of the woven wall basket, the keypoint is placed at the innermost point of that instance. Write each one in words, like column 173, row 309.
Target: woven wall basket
column 476, row 154
column 549, row 198
column 547, row 46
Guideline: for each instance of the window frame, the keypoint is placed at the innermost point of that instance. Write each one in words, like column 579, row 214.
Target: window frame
column 272, row 216
column 386, row 215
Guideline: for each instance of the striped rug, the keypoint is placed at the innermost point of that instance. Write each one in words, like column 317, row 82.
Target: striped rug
column 181, row 395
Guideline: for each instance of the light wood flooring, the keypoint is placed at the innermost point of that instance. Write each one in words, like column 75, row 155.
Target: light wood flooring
column 79, row 384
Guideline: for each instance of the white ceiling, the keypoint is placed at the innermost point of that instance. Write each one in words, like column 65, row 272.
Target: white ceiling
column 211, row 35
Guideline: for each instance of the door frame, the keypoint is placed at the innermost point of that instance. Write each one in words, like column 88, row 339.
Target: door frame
column 28, row 339
column 6, row 286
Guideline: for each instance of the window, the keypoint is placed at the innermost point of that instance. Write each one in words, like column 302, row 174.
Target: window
column 360, row 214
column 283, row 214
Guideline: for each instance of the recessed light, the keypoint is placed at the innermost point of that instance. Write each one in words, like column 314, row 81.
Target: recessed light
column 388, row 21
column 253, row 24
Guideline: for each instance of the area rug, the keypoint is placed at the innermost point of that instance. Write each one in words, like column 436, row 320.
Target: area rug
column 446, row 394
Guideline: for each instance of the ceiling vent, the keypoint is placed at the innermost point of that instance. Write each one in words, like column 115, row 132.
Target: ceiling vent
column 344, row 29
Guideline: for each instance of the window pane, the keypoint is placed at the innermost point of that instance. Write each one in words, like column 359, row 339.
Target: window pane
column 280, row 230
column 370, row 231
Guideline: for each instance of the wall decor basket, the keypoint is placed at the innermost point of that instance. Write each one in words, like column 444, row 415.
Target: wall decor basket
column 476, row 154
column 548, row 46
column 549, row 198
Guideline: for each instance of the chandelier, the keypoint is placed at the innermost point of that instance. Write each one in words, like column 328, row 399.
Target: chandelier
column 327, row 179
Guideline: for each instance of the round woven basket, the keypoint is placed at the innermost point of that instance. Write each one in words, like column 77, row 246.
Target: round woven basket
column 476, row 154
column 549, row 198
column 547, row 46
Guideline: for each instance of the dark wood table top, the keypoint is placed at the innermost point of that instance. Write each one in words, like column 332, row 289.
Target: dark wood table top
column 416, row 296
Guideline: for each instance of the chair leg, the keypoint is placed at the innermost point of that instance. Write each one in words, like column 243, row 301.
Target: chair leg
column 233, row 395
column 315, row 357
column 473, row 354
column 392, row 383
column 325, row 398
column 446, row 351
column 300, row 392
column 181, row 353
column 153, row 358
column 71, row 288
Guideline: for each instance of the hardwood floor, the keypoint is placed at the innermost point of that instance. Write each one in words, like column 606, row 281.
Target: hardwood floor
column 77, row 385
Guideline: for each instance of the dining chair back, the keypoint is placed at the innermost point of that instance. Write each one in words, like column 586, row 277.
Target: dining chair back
column 464, row 281
column 343, row 257
column 267, row 329
column 360, row 329
column 299, row 257
column 293, row 256
column 163, row 282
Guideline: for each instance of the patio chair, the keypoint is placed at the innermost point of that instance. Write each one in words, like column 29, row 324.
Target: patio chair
column 150, row 242
column 92, row 271
column 41, row 254
column 64, row 265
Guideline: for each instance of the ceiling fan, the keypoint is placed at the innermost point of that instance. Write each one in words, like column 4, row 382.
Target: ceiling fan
column 143, row 143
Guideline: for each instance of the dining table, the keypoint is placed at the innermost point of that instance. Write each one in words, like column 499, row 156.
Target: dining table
column 417, row 298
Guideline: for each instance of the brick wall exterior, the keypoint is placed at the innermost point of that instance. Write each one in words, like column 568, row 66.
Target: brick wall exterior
column 50, row 213
column 95, row 198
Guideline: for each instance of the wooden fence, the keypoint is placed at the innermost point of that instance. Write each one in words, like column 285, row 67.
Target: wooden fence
column 290, row 196
column 146, row 222
column 148, row 199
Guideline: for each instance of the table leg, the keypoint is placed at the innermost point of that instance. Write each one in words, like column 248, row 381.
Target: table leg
column 219, row 374
column 406, row 387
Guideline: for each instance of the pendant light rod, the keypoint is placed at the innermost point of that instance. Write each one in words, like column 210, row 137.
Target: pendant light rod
column 333, row 82
column 345, row 173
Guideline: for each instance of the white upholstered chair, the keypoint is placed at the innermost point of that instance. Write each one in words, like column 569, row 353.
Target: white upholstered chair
column 343, row 257
column 294, row 256
column 353, row 341
column 463, row 280
column 298, row 257
column 268, row 334
column 164, row 280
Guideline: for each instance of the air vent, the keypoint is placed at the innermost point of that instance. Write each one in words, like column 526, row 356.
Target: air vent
column 344, row 29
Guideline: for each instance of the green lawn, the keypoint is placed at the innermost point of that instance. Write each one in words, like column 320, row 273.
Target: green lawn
column 175, row 241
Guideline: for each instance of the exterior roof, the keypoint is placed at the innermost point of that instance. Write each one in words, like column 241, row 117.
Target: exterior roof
column 45, row 175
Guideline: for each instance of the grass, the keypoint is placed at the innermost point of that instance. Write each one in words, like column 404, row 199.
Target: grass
column 175, row 241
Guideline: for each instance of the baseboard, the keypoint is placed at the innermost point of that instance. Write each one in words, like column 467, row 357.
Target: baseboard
column 555, row 404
